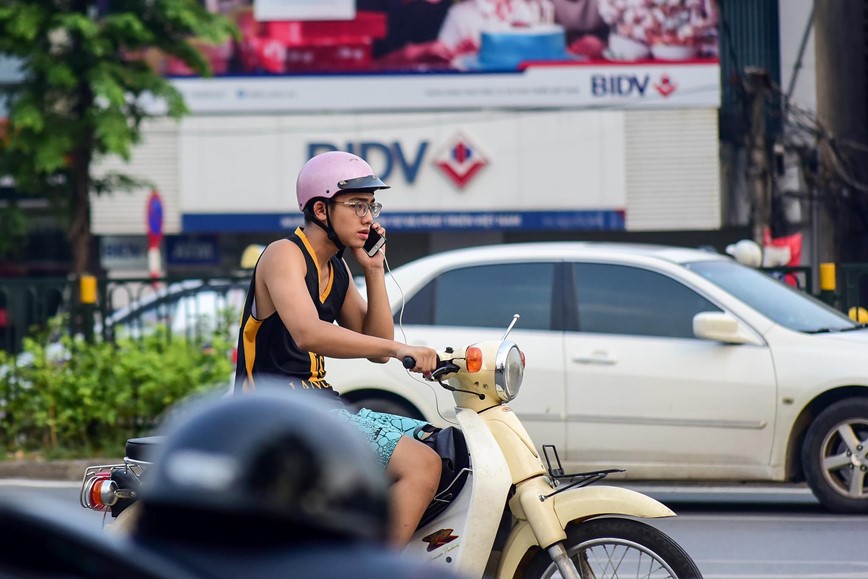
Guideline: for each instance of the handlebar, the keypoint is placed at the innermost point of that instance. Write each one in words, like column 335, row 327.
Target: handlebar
column 443, row 366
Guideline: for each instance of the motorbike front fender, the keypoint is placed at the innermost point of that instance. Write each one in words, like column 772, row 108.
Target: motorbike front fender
column 574, row 506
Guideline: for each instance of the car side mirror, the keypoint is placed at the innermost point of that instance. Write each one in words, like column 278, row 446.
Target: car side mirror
column 720, row 327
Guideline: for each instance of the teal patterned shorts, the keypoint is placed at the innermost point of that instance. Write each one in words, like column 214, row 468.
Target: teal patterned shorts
column 383, row 431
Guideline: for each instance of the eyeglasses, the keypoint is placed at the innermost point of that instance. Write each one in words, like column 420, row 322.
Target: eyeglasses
column 361, row 208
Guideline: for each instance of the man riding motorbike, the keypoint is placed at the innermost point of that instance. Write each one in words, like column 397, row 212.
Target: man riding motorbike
column 301, row 286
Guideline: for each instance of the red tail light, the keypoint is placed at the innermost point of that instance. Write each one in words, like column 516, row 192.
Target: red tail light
column 99, row 492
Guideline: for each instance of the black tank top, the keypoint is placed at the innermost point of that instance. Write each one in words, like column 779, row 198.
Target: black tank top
column 266, row 348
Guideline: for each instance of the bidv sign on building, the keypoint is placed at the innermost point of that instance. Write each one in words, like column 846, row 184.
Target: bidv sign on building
column 459, row 160
column 467, row 170
column 631, row 85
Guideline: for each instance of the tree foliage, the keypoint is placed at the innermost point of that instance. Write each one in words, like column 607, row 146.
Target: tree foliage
column 71, row 398
column 86, row 89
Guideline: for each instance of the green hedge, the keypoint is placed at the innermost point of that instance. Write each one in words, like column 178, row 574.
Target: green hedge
column 71, row 398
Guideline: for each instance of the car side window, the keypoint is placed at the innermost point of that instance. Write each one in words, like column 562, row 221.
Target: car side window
column 486, row 296
column 618, row 299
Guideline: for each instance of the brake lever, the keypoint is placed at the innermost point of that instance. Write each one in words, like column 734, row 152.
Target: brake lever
column 446, row 368
column 443, row 367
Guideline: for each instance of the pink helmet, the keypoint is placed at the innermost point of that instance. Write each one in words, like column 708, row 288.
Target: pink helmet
column 334, row 172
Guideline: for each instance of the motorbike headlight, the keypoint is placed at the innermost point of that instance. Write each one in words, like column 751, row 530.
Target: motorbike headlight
column 508, row 371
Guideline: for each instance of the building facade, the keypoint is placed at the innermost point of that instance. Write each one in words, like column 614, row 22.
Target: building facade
column 600, row 145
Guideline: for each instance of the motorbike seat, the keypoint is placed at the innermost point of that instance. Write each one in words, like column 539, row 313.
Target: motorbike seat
column 142, row 448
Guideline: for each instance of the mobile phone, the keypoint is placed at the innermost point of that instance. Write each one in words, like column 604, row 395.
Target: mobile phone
column 374, row 242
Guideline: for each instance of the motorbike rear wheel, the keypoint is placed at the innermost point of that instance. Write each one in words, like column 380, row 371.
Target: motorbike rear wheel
column 611, row 548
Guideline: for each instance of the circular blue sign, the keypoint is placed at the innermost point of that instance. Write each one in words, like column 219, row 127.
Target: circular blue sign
column 155, row 215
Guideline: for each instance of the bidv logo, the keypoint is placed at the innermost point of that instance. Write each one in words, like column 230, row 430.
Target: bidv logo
column 459, row 160
column 628, row 85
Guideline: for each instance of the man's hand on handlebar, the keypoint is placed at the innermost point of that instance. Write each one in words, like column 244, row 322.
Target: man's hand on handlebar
column 418, row 358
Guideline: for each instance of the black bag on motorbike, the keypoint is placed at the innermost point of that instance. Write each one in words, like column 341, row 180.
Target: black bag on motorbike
column 449, row 443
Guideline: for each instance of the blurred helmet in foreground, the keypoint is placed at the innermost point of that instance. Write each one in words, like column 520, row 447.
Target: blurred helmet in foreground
column 266, row 466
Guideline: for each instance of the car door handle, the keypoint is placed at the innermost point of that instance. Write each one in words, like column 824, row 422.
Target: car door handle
column 601, row 358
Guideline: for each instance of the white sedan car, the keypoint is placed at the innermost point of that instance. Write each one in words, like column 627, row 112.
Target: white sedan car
column 673, row 363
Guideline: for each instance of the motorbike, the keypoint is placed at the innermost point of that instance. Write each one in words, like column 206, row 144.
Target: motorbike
column 112, row 488
column 505, row 509
column 522, row 515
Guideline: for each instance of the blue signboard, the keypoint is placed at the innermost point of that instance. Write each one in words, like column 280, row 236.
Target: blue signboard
column 589, row 220
column 192, row 250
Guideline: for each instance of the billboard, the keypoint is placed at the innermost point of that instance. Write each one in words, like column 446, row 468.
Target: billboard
column 547, row 170
column 447, row 54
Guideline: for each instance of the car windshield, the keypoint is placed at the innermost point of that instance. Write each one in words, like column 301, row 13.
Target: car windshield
column 777, row 301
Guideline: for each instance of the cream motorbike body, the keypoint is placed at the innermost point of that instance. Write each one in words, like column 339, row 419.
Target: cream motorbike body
column 502, row 455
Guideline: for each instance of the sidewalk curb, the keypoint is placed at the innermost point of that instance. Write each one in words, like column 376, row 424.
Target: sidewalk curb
column 50, row 469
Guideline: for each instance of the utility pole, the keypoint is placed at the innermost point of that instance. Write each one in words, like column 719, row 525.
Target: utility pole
column 757, row 85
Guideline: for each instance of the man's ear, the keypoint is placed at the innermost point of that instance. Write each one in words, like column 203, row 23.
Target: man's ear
column 319, row 211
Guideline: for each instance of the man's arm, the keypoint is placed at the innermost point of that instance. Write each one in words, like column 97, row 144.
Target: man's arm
column 372, row 317
column 282, row 269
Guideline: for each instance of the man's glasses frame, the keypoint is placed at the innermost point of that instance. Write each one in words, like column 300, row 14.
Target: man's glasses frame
column 361, row 208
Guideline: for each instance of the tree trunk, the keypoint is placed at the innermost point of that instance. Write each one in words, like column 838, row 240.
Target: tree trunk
column 79, row 228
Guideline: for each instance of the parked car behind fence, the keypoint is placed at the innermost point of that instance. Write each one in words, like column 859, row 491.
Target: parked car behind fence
column 192, row 308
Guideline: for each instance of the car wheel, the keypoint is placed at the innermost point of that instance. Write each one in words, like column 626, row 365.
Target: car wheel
column 389, row 405
column 835, row 456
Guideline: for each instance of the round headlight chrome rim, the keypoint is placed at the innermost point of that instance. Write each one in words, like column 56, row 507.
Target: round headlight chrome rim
column 508, row 371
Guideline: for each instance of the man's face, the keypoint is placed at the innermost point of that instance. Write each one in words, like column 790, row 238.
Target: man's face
column 352, row 228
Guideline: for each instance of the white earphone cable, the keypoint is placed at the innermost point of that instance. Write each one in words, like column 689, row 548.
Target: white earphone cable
column 404, row 338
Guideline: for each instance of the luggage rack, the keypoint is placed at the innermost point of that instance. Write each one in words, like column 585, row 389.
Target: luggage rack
column 580, row 479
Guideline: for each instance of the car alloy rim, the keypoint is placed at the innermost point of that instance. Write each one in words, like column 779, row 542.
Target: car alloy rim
column 844, row 458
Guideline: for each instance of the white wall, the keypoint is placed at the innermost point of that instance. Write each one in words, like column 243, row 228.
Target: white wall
column 156, row 160
column 673, row 178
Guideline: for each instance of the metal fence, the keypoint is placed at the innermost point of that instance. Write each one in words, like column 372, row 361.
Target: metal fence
column 26, row 305
column 852, row 286
column 130, row 307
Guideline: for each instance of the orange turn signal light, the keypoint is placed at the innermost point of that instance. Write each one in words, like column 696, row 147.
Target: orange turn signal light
column 473, row 359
